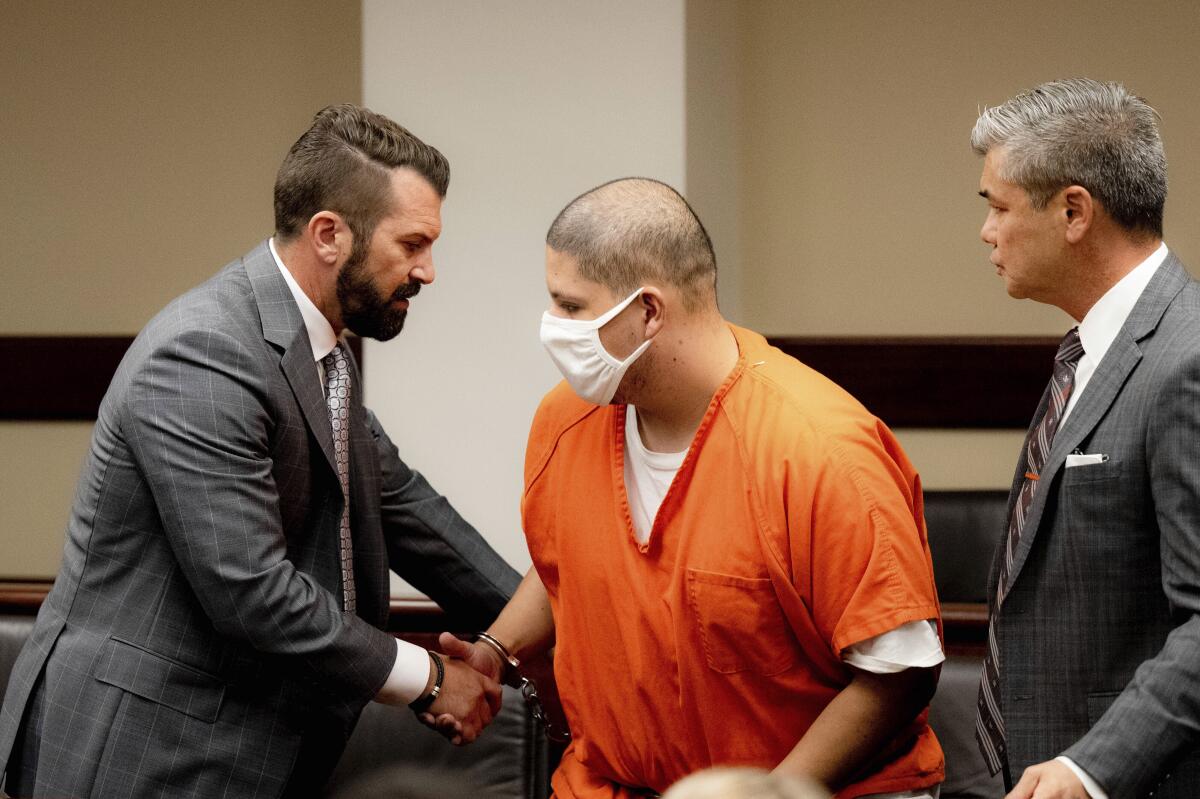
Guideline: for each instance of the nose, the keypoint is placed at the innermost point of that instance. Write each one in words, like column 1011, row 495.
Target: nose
column 988, row 231
column 423, row 271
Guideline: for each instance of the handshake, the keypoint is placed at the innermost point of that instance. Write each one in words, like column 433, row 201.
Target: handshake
column 470, row 694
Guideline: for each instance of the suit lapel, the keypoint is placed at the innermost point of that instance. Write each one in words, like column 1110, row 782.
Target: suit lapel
column 370, row 554
column 1100, row 393
column 284, row 327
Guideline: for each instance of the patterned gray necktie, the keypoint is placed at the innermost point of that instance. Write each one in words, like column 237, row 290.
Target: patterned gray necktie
column 989, row 723
column 337, row 395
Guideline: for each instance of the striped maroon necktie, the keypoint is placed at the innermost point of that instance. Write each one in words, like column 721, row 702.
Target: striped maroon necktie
column 989, row 723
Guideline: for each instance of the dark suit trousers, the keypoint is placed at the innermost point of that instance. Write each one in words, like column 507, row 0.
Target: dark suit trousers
column 320, row 750
column 23, row 763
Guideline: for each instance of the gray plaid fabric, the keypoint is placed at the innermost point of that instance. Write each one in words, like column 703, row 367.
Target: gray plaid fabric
column 1099, row 633
column 194, row 642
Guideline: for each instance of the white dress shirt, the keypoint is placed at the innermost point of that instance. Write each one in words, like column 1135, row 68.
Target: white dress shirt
column 1104, row 320
column 410, row 672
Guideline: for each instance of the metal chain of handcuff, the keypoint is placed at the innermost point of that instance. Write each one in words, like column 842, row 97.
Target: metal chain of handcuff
column 513, row 677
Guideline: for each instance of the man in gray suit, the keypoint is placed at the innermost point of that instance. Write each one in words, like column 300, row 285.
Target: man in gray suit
column 1091, row 685
column 216, row 627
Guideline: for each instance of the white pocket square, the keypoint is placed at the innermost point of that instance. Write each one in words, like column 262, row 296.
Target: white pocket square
column 1079, row 459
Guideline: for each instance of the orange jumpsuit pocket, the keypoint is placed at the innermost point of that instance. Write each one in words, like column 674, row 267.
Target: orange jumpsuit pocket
column 741, row 626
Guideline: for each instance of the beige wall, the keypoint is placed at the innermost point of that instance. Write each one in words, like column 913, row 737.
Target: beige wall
column 858, row 213
column 851, row 209
column 37, row 480
column 139, row 147
column 533, row 103
column 716, row 135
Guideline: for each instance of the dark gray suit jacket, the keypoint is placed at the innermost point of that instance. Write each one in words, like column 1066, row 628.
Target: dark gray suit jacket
column 194, row 638
column 1099, row 636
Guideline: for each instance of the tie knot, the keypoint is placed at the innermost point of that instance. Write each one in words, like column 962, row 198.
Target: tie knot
column 1071, row 348
column 335, row 362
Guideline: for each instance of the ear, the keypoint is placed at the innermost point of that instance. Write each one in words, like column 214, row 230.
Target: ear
column 330, row 237
column 654, row 310
column 1079, row 209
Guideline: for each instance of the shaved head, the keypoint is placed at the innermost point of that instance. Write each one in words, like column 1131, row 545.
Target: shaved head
column 632, row 230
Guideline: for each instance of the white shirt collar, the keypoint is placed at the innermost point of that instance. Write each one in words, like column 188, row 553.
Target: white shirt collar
column 1104, row 320
column 320, row 333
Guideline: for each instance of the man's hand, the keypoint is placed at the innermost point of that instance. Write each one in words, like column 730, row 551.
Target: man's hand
column 525, row 625
column 1049, row 780
column 480, row 657
column 466, row 704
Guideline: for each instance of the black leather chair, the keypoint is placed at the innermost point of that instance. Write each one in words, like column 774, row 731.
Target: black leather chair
column 392, row 754
column 963, row 527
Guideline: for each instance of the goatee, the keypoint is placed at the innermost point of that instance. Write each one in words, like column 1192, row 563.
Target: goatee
column 364, row 311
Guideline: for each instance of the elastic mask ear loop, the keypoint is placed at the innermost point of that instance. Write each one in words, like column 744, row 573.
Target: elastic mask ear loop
column 607, row 317
column 613, row 312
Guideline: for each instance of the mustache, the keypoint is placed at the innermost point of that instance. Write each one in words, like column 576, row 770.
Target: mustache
column 407, row 290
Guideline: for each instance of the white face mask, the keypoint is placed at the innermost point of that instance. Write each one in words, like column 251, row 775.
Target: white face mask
column 576, row 350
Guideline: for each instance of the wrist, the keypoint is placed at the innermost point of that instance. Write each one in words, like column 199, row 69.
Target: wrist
column 437, row 673
column 508, row 667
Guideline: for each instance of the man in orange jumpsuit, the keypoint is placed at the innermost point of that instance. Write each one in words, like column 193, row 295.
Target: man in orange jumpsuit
column 729, row 550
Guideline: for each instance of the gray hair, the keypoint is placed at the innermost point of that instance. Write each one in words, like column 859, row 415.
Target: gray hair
column 628, row 230
column 1086, row 133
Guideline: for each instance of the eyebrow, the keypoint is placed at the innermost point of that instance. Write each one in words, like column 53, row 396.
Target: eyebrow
column 558, row 295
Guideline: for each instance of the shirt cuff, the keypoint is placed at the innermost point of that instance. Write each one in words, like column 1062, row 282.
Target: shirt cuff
column 911, row 645
column 1089, row 784
column 410, row 672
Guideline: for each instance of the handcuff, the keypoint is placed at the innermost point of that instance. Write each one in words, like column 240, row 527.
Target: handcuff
column 510, row 675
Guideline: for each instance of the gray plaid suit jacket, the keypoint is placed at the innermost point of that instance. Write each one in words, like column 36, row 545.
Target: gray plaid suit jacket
column 194, row 643
column 1099, row 636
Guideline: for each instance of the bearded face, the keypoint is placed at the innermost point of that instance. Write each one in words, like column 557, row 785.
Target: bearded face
column 366, row 310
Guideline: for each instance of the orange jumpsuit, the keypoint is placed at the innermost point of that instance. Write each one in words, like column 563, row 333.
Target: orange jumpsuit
column 793, row 529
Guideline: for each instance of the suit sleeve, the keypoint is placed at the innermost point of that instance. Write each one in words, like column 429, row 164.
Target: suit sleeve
column 199, row 425
column 432, row 547
column 1157, row 716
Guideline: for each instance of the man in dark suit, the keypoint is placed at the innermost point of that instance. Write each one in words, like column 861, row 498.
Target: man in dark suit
column 216, row 627
column 1091, row 685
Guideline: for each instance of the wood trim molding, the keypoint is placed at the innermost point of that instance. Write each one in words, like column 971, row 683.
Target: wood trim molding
column 23, row 597
column 966, row 616
column 63, row 378
column 410, row 614
column 907, row 382
column 958, row 383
